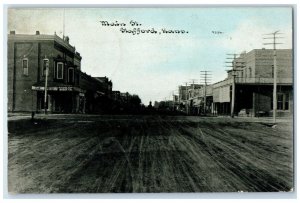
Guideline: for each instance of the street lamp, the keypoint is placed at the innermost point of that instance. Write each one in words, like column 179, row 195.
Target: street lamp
column 46, row 68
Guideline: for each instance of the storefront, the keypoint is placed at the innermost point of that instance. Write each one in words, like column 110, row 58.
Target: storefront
column 60, row 99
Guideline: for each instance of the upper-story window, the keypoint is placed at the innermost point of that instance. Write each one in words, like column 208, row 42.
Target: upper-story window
column 71, row 75
column 25, row 66
column 250, row 72
column 45, row 66
column 59, row 70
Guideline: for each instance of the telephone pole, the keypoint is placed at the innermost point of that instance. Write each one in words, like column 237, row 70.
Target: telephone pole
column 46, row 69
column 274, row 37
column 179, row 93
column 186, row 98
column 176, row 99
column 205, row 77
column 236, row 65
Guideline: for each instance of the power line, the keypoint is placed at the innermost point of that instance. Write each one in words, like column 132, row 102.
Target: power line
column 237, row 64
column 274, row 43
column 205, row 76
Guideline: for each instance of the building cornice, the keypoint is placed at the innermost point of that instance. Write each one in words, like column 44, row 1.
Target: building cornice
column 24, row 38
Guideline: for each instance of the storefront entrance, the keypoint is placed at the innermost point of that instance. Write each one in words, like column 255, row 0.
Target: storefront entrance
column 61, row 102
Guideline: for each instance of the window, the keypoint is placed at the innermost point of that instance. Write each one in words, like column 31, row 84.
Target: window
column 25, row 66
column 283, row 101
column 59, row 70
column 280, row 101
column 45, row 66
column 286, row 102
column 250, row 72
column 71, row 75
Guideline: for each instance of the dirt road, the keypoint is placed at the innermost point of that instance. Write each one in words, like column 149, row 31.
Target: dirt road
column 148, row 154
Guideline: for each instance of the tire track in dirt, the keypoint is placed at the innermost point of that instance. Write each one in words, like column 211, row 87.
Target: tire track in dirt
column 219, row 165
column 154, row 154
column 234, row 160
column 190, row 166
column 260, row 159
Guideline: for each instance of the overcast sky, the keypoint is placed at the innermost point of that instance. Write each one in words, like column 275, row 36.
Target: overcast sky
column 154, row 65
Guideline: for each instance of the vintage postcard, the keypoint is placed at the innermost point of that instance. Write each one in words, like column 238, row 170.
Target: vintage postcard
column 150, row 100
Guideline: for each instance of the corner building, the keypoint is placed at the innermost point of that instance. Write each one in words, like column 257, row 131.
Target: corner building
column 29, row 56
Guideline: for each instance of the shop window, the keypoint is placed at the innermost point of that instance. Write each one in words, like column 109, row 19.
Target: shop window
column 25, row 66
column 287, row 102
column 280, row 101
column 60, row 70
column 283, row 101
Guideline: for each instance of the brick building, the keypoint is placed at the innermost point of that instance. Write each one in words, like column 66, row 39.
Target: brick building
column 201, row 100
column 253, row 75
column 33, row 59
column 187, row 96
column 98, row 94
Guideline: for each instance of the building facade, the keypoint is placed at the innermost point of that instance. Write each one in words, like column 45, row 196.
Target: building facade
column 188, row 98
column 252, row 77
column 47, row 62
column 248, row 88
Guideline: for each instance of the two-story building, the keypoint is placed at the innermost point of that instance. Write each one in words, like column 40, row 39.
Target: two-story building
column 253, row 78
column 97, row 93
column 47, row 62
column 187, row 98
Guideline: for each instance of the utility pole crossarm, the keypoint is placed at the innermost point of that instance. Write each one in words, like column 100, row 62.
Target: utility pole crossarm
column 274, row 43
column 205, row 76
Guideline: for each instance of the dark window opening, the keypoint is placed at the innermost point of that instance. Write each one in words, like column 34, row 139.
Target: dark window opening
column 280, row 101
column 59, row 70
column 71, row 75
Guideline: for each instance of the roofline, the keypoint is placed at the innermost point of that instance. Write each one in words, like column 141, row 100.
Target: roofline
column 41, row 37
column 263, row 49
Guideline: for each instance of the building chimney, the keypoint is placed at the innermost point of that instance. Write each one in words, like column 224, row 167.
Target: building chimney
column 12, row 32
column 37, row 33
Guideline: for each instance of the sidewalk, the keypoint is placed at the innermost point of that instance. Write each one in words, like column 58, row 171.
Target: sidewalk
column 267, row 120
column 20, row 116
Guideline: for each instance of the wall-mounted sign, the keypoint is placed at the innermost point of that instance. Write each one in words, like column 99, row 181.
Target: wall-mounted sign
column 63, row 89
